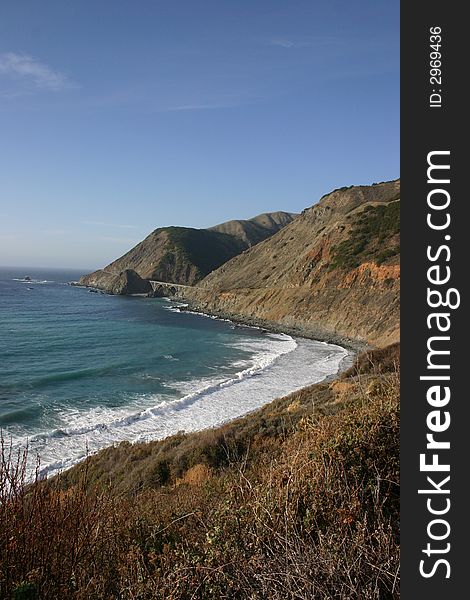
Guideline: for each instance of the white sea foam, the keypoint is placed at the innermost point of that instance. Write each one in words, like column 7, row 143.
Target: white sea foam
column 177, row 306
column 32, row 281
column 279, row 365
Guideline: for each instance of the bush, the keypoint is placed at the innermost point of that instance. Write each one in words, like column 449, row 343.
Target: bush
column 25, row 591
column 373, row 237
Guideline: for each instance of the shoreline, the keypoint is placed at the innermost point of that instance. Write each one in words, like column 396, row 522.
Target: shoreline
column 353, row 347
column 302, row 331
column 309, row 332
column 350, row 347
column 227, row 409
column 349, row 353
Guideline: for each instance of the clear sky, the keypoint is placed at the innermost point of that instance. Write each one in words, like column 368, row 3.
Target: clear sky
column 120, row 116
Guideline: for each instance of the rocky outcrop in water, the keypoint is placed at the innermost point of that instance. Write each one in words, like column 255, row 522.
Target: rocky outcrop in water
column 124, row 283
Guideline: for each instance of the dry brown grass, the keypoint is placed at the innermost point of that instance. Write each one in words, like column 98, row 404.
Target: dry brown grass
column 298, row 502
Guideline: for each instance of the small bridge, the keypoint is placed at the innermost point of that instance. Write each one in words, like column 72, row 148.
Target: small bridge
column 165, row 288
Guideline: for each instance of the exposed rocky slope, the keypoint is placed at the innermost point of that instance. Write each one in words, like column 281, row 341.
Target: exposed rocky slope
column 184, row 255
column 332, row 273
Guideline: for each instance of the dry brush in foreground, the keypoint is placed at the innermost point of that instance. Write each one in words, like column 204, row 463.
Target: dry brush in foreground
column 298, row 500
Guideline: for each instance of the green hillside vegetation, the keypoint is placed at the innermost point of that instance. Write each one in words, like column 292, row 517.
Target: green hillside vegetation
column 374, row 236
column 297, row 500
column 205, row 249
column 185, row 255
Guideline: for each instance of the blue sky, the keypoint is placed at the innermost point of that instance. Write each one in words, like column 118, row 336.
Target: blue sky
column 117, row 117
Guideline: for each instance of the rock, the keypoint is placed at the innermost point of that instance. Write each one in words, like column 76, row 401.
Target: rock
column 124, row 283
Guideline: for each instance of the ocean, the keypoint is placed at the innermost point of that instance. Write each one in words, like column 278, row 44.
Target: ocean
column 80, row 370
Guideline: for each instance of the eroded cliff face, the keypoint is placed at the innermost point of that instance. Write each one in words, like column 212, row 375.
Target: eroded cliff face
column 332, row 273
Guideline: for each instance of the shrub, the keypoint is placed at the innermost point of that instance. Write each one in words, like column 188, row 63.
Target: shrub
column 372, row 238
column 297, row 500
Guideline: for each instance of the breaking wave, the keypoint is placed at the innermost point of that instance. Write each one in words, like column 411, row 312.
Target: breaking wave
column 279, row 365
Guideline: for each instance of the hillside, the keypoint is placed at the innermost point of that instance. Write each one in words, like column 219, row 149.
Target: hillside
column 184, row 255
column 298, row 500
column 255, row 230
column 332, row 273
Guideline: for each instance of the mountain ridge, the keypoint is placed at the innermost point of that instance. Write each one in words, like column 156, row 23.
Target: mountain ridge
column 333, row 273
column 184, row 255
column 256, row 229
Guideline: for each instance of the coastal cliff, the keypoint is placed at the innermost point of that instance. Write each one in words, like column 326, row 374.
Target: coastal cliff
column 298, row 499
column 184, row 255
column 333, row 273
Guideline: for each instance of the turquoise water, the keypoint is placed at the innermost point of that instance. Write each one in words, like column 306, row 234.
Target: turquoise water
column 81, row 370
